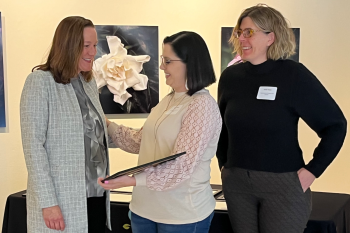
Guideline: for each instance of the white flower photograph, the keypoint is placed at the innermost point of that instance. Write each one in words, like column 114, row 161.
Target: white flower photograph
column 126, row 68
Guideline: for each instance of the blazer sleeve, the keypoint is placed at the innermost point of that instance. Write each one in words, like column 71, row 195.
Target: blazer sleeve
column 34, row 117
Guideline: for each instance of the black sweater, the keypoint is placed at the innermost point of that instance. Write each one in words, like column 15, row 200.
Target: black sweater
column 262, row 135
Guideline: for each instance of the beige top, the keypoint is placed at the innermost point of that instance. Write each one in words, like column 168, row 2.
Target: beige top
column 176, row 192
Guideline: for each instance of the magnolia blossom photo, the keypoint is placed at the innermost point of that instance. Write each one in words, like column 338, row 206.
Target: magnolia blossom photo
column 126, row 68
column 120, row 71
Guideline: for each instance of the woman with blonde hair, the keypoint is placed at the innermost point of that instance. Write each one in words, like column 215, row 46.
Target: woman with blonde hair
column 265, row 179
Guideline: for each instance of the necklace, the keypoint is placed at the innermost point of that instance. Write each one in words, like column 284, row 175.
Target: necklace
column 169, row 113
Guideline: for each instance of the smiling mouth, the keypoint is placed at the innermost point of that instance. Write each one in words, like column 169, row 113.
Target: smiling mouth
column 87, row 60
column 245, row 48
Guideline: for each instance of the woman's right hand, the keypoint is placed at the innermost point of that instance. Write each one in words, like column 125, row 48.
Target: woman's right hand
column 120, row 182
column 53, row 218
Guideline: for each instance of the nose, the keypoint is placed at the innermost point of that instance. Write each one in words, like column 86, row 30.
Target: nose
column 241, row 37
column 162, row 66
column 93, row 50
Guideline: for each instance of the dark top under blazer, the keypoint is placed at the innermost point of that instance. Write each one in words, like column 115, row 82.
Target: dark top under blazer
column 262, row 135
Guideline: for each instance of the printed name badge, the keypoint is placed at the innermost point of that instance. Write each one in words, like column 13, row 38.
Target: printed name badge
column 267, row 93
column 173, row 110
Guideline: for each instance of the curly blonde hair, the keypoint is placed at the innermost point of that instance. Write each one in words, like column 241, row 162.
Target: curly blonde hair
column 268, row 20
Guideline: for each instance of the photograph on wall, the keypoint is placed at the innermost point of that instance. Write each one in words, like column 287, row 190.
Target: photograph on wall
column 2, row 89
column 228, row 58
column 126, row 68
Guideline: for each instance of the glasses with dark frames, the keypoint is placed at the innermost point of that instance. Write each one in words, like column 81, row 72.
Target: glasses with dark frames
column 166, row 61
column 247, row 32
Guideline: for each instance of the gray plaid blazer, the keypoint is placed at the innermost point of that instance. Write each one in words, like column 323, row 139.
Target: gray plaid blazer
column 53, row 146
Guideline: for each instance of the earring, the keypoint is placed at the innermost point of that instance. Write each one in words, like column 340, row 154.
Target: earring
column 186, row 85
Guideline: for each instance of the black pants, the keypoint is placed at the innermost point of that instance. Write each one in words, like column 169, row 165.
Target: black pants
column 265, row 202
column 96, row 209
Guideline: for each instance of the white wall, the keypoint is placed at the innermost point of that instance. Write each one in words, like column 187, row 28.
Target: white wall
column 28, row 27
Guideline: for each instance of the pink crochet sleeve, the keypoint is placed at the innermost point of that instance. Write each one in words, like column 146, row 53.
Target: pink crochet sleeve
column 200, row 125
column 127, row 139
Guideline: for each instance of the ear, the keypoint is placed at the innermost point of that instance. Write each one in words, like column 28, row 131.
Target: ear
column 271, row 38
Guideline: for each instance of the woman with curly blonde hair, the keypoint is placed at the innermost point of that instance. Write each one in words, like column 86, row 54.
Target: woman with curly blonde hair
column 265, row 179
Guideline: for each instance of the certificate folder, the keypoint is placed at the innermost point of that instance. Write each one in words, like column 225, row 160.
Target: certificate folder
column 135, row 170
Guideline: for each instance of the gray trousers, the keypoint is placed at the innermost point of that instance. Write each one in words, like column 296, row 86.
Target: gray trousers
column 265, row 202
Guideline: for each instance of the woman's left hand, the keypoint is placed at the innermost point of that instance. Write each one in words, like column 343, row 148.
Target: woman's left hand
column 120, row 182
column 306, row 178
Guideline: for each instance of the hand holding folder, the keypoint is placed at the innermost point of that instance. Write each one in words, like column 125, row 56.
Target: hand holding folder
column 140, row 168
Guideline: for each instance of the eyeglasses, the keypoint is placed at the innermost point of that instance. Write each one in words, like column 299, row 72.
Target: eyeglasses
column 166, row 61
column 247, row 33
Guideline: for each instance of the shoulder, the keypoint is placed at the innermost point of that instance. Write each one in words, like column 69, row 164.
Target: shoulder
column 294, row 71
column 290, row 65
column 39, row 79
column 37, row 87
column 234, row 69
column 203, row 97
column 204, row 107
column 299, row 69
column 232, row 72
column 301, row 79
column 204, row 94
column 40, row 76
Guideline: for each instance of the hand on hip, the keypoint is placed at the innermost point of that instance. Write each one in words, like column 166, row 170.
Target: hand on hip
column 306, row 178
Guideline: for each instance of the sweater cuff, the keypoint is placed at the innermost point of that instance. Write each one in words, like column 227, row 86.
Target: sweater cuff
column 314, row 169
column 112, row 127
column 141, row 179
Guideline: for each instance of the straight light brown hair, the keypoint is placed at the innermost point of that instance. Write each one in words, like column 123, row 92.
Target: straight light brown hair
column 67, row 47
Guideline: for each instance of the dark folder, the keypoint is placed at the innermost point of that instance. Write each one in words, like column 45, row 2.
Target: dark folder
column 138, row 169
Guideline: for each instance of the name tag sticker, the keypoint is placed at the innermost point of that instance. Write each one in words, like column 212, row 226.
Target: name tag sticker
column 267, row 93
